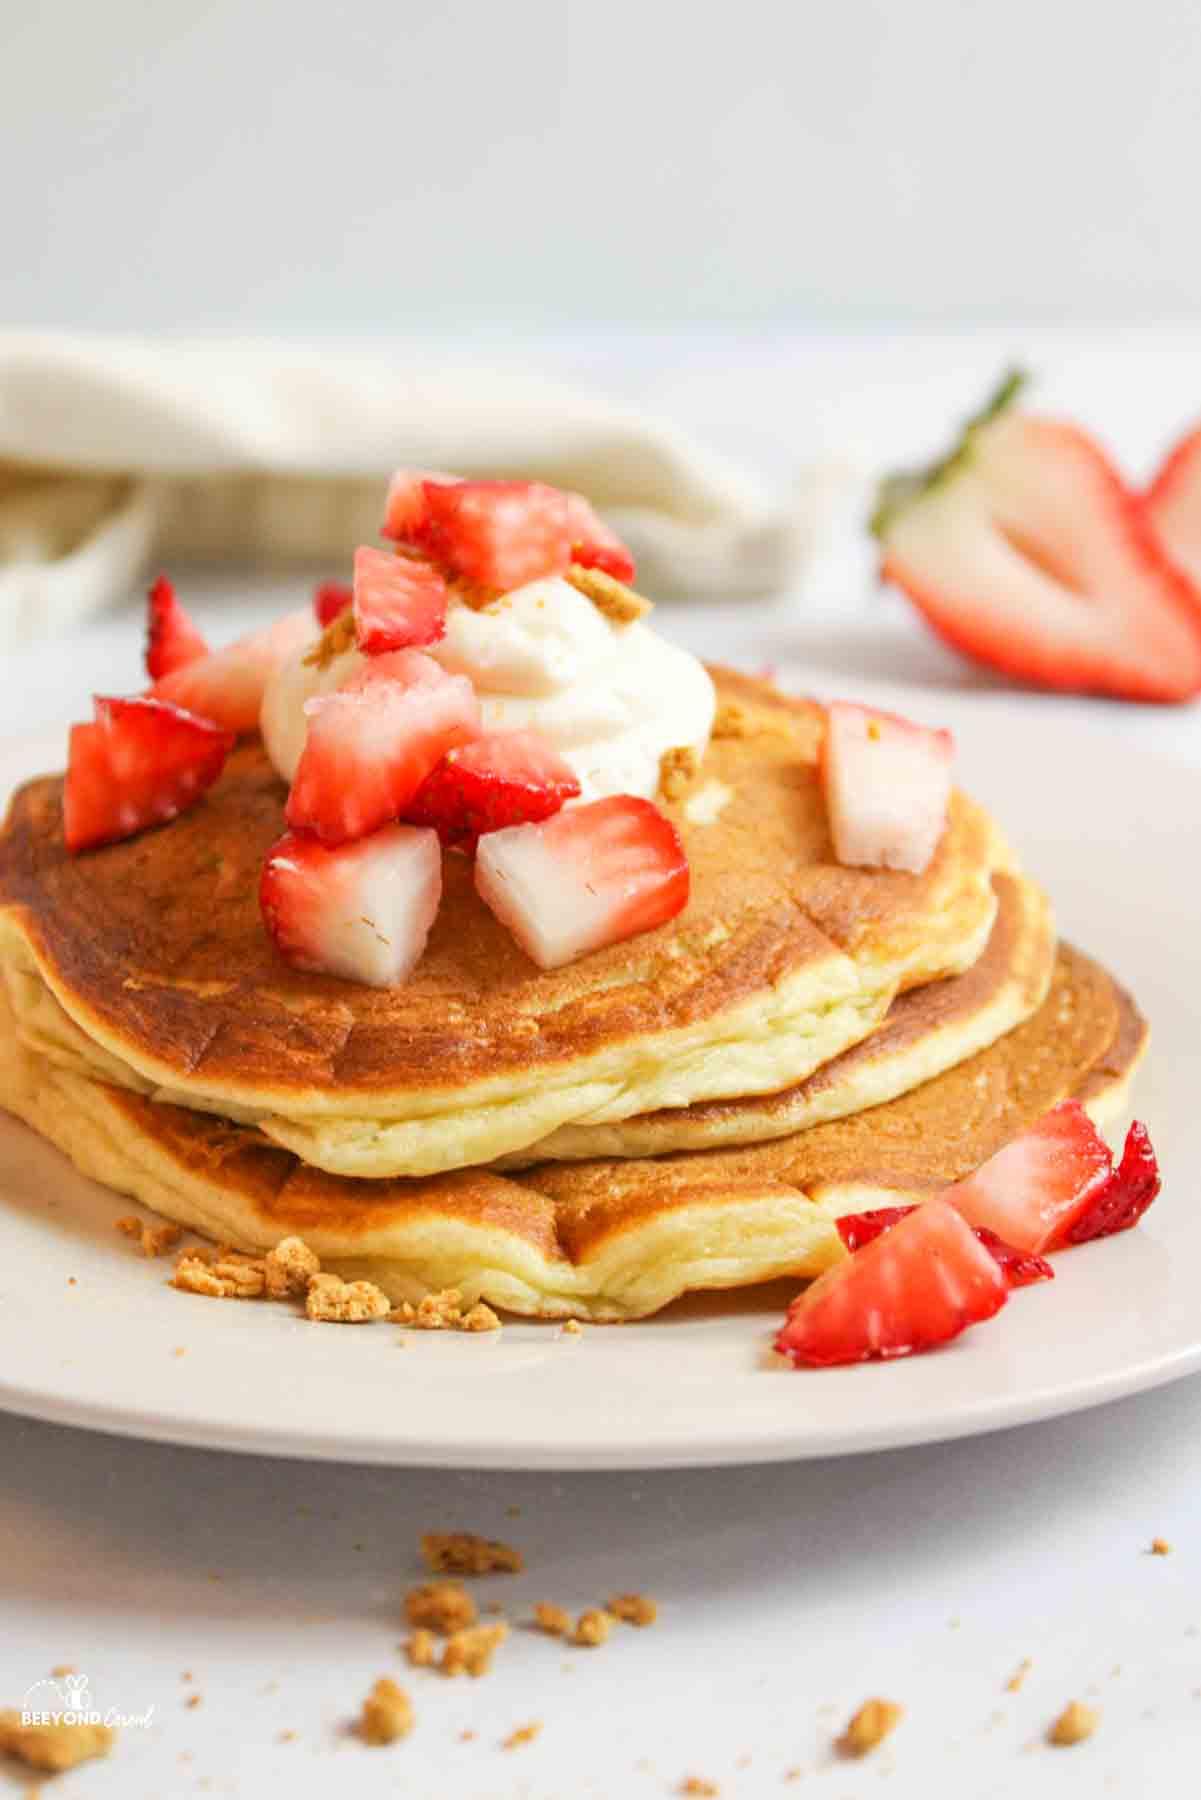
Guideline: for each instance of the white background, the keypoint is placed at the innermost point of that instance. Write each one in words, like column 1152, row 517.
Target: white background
column 377, row 164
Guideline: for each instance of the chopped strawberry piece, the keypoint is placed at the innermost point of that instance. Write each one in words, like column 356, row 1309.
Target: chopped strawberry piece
column 1024, row 549
column 594, row 545
column 330, row 600
column 371, row 743
column 399, row 603
column 362, row 911
column 140, row 763
column 589, row 876
column 917, row 1285
column 496, row 534
column 1035, row 1188
column 887, row 784
column 504, row 778
column 1125, row 1197
column 172, row 641
column 405, row 508
column 1173, row 503
column 227, row 685
column 1021, row 1268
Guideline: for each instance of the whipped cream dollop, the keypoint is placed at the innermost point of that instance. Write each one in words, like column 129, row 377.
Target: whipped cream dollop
column 610, row 697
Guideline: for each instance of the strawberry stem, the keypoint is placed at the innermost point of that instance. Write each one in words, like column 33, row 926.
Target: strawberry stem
column 897, row 492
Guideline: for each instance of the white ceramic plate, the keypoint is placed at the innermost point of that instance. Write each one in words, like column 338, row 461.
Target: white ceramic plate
column 90, row 1334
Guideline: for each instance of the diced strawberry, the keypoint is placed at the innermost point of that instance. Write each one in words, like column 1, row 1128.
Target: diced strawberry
column 172, row 641
column 1020, row 1266
column 916, row 1286
column 589, row 876
column 505, row 778
column 227, row 685
column 362, row 911
column 1125, row 1197
column 594, row 545
column 496, row 534
column 887, row 784
column 1173, row 503
column 141, row 762
column 371, row 743
column 399, row 603
column 1024, row 549
column 1035, row 1188
column 330, row 600
column 405, row 509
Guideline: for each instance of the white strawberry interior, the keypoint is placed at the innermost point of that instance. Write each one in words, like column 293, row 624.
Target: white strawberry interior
column 888, row 786
column 543, row 896
column 368, row 908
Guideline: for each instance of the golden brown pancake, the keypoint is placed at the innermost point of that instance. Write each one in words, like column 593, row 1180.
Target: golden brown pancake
column 147, row 963
column 925, row 1031
column 614, row 1239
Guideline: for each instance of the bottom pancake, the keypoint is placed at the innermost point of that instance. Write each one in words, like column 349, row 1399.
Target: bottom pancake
column 607, row 1240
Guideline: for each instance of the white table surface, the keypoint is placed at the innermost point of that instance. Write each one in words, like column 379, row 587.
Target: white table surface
column 788, row 1594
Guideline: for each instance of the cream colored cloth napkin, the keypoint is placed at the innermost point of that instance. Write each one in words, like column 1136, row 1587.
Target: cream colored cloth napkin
column 113, row 452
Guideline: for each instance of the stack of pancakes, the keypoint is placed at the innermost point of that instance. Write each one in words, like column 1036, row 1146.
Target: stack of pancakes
column 692, row 1108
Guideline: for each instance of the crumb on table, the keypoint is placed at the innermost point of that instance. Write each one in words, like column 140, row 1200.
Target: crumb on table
column 633, row 1609
column 52, row 1748
column 524, row 1734
column 592, row 1627
column 1160, row 1547
column 470, row 1652
column 1075, row 1723
column 869, row 1727
column 463, row 1553
column 441, row 1606
column 555, row 1621
column 1013, row 1685
column 387, row 1713
column 697, row 1785
column 421, row 1648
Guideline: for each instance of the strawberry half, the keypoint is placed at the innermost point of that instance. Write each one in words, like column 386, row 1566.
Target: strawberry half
column 405, row 507
column 589, row 876
column 363, row 911
column 1021, row 1268
column 399, row 603
column 227, row 685
column 593, row 544
column 371, row 743
column 1024, row 549
column 330, row 600
column 1125, row 1197
column 495, row 534
column 504, row 778
column 1037, row 1186
column 887, row 784
column 140, row 763
column 172, row 641
column 1173, row 503
column 916, row 1286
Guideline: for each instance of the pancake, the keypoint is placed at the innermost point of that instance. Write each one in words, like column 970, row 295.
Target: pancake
column 925, row 1031
column 611, row 1239
column 146, row 963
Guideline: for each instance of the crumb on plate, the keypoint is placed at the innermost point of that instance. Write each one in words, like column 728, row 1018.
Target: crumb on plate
column 330, row 1300
column 441, row 1606
column 470, row 1652
column 633, row 1609
column 592, row 1627
column 387, row 1713
column 463, row 1553
column 524, row 1734
column 52, row 1748
column 555, row 1621
column 1075, row 1723
column 869, row 1727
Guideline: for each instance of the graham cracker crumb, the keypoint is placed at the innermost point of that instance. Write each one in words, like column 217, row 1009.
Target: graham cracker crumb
column 422, row 1649
column 678, row 769
column 467, row 1737
column 444, row 1312
column 696, row 1784
column 572, row 1328
column 524, row 1734
column 869, row 1727
column 193, row 1701
column 338, row 637
column 792, row 1774
column 480, row 1318
column 592, row 1627
column 334, row 1301
column 731, row 721
column 613, row 598
column 463, row 1553
column 470, row 1652
column 474, row 594
column 153, row 1240
column 290, row 1267
column 61, row 1669
column 52, row 1747
column 387, row 1713
column 1160, row 1547
column 287, row 1737
column 554, row 1620
column 633, row 1609
column 230, row 1276
column 1014, row 1684
column 441, row 1606
column 1075, row 1723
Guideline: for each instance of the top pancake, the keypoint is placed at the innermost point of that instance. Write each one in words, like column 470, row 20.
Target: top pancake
column 147, row 962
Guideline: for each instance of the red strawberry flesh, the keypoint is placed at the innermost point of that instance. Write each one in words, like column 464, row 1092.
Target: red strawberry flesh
column 593, row 544
column 227, row 686
column 1037, row 1185
column 399, row 603
column 1125, row 1197
column 172, row 640
column 501, row 779
column 140, row 763
column 405, row 507
column 330, row 600
column 496, row 534
column 1020, row 1266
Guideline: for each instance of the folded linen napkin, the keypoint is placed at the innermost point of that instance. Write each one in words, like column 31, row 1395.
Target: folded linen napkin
column 114, row 451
